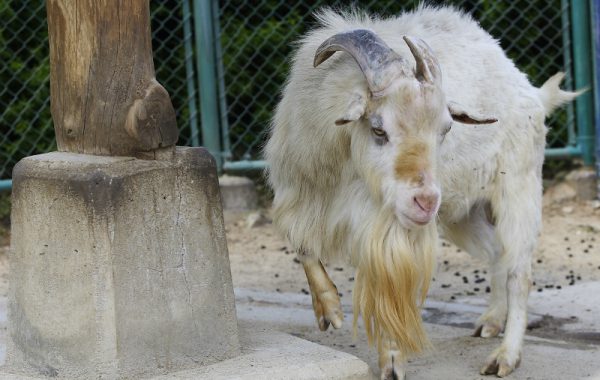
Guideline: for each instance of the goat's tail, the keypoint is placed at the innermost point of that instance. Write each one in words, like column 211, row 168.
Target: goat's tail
column 553, row 97
column 392, row 280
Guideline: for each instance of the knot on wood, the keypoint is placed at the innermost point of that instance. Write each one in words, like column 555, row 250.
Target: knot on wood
column 151, row 119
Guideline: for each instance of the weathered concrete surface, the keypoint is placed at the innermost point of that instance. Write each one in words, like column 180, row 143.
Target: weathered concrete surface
column 118, row 267
column 272, row 355
column 456, row 355
column 238, row 193
column 584, row 182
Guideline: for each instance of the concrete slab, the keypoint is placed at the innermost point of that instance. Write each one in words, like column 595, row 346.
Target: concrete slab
column 456, row 355
column 238, row 193
column 265, row 354
column 272, row 355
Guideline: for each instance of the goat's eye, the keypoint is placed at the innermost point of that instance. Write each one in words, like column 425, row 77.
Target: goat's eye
column 379, row 132
column 381, row 136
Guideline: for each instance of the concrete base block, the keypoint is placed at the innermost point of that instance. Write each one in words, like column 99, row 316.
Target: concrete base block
column 118, row 267
column 238, row 193
column 584, row 183
column 270, row 355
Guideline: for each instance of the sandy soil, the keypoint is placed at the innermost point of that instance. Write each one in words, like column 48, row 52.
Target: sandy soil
column 568, row 253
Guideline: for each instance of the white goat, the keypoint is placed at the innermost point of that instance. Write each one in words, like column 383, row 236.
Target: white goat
column 361, row 149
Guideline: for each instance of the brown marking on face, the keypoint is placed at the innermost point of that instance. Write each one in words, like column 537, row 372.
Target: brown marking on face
column 412, row 162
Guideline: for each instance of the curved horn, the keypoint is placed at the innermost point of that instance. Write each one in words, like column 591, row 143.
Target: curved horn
column 379, row 64
column 428, row 67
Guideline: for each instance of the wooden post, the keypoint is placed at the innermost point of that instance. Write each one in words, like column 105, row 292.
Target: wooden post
column 105, row 99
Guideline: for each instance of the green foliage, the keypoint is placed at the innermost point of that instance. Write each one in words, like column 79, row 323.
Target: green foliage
column 257, row 40
column 4, row 215
column 25, row 119
column 25, row 122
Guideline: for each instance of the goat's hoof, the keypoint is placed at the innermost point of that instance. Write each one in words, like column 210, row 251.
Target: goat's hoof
column 487, row 330
column 500, row 364
column 391, row 373
column 328, row 309
column 391, row 362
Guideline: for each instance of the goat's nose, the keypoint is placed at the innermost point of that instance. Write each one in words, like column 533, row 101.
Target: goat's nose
column 427, row 202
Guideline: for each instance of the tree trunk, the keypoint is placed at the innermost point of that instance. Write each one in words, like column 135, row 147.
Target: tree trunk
column 105, row 99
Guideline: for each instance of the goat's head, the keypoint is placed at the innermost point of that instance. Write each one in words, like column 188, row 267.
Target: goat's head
column 401, row 118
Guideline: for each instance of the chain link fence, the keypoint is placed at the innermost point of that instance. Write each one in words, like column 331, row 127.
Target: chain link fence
column 25, row 121
column 255, row 40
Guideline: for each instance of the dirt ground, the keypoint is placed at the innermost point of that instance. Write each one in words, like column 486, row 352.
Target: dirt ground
column 568, row 253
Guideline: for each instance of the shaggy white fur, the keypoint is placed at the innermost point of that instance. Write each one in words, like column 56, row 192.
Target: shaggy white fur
column 340, row 193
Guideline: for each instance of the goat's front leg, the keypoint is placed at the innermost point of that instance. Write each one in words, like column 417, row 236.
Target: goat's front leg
column 325, row 297
column 391, row 361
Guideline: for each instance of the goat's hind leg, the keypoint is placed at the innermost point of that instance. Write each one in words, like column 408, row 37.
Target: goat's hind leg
column 476, row 235
column 325, row 297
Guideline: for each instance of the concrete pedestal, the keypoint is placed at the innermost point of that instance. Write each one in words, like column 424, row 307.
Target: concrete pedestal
column 118, row 267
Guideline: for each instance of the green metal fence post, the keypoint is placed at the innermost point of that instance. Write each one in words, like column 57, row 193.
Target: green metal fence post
column 595, row 4
column 5, row 185
column 189, row 72
column 582, row 60
column 206, row 68
column 221, row 83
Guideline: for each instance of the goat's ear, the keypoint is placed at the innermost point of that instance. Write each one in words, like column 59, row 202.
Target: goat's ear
column 460, row 114
column 354, row 110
